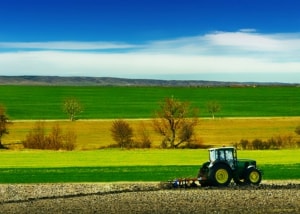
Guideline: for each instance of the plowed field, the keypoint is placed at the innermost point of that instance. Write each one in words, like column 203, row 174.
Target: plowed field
column 269, row 197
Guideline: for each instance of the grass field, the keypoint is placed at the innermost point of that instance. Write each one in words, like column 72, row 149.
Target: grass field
column 129, row 165
column 44, row 102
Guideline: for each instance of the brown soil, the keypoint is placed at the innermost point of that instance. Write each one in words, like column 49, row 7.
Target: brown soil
column 269, row 197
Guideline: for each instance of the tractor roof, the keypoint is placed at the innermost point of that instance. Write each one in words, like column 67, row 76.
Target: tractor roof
column 224, row 148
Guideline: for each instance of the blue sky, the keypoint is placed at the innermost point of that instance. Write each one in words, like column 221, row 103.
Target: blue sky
column 226, row 40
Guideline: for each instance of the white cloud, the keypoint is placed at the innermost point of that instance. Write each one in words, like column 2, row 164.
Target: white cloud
column 65, row 63
column 242, row 52
column 244, row 40
column 241, row 40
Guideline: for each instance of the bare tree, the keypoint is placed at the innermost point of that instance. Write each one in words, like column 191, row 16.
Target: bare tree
column 3, row 125
column 213, row 107
column 175, row 121
column 72, row 107
column 122, row 133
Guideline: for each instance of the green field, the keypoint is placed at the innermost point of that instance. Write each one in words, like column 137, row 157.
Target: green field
column 129, row 165
column 44, row 102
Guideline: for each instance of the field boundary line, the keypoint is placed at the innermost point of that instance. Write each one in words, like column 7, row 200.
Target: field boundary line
column 145, row 119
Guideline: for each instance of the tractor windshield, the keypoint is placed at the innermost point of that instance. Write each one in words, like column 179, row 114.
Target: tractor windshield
column 229, row 155
column 212, row 155
column 221, row 154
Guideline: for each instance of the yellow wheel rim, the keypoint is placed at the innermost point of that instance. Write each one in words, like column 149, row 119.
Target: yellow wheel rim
column 221, row 176
column 254, row 177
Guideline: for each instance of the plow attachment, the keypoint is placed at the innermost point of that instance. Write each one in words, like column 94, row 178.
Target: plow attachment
column 185, row 182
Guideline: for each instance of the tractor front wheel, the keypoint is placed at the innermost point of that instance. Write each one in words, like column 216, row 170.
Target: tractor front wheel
column 253, row 176
column 220, row 175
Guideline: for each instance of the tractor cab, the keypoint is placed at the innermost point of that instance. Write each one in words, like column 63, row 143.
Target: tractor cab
column 223, row 154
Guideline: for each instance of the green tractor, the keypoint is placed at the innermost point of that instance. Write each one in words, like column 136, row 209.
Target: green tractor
column 223, row 166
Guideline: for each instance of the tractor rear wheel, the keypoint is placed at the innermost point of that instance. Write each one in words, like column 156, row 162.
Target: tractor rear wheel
column 253, row 176
column 220, row 175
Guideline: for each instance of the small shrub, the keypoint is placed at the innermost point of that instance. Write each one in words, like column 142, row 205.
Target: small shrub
column 273, row 143
column 244, row 144
column 37, row 139
column 266, row 145
column 297, row 130
column 144, row 144
column 122, row 133
column 69, row 141
column 196, row 143
column 236, row 145
column 288, row 141
column 283, row 141
column 54, row 140
column 143, row 140
column 277, row 142
column 257, row 144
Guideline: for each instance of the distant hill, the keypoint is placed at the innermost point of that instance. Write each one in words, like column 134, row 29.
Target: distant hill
column 111, row 81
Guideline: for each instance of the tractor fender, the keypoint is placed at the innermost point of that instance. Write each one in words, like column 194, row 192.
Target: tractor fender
column 251, row 166
column 247, row 169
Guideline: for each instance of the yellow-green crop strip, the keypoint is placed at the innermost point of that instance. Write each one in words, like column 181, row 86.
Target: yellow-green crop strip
column 147, row 157
column 129, row 165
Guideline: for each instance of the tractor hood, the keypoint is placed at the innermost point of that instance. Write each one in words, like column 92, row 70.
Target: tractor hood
column 246, row 162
